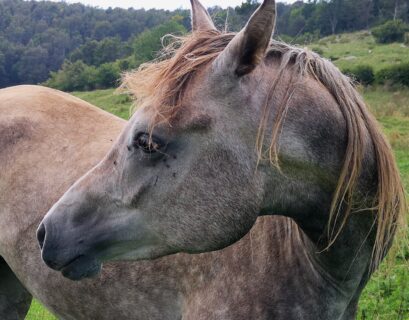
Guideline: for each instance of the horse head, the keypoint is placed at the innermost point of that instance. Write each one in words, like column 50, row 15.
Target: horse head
column 192, row 170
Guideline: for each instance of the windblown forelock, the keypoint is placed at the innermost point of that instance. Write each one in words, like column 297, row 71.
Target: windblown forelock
column 160, row 86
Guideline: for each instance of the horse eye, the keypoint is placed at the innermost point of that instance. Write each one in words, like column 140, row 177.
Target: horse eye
column 147, row 143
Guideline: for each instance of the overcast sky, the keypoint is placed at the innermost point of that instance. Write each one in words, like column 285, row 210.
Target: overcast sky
column 159, row 4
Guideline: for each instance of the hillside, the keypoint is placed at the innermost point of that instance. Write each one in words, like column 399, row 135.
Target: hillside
column 359, row 48
column 40, row 37
column 37, row 36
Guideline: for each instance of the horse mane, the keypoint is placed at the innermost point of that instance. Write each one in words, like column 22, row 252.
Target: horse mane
column 161, row 85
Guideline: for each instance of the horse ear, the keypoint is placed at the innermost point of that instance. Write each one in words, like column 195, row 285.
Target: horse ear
column 247, row 49
column 201, row 20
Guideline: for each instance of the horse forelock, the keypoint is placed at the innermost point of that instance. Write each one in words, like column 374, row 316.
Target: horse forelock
column 161, row 85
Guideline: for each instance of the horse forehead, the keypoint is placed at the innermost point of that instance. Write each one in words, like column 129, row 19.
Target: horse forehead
column 188, row 117
column 193, row 120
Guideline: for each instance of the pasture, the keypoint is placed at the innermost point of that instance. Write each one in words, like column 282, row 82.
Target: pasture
column 359, row 48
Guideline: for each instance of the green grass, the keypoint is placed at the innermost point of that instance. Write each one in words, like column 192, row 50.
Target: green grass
column 349, row 50
column 109, row 100
column 38, row 312
column 388, row 103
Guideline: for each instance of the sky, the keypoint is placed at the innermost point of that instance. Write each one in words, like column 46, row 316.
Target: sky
column 158, row 4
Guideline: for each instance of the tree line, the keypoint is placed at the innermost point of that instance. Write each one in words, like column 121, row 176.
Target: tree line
column 37, row 36
column 42, row 40
column 325, row 17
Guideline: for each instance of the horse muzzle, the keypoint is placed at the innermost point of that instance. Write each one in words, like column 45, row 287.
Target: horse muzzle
column 73, row 264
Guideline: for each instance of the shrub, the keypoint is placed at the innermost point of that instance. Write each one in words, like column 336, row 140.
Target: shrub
column 390, row 31
column 107, row 75
column 75, row 76
column 364, row 74
column 126, row 64
column 148, row 43
column 394, row 75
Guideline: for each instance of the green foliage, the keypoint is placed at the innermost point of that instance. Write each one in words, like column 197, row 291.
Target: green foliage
column 394, row 75
column 73, row 76
column 390, row 31
column 89, row 73
column 77, row 76
column 149, row 43
column 336, row 16
column 364, row 74
column 32, row 65
column 107, row 75
column 37, row 36
column 96, row 53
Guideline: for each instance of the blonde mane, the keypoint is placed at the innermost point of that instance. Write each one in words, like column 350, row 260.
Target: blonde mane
column 162, row 84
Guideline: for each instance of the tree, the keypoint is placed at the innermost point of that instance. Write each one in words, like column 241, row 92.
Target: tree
column 3, row 73
column 98, row 52
column 36, row 37
column 32, row 66
column 34, row 31
column 102, row 30
column 148, row 44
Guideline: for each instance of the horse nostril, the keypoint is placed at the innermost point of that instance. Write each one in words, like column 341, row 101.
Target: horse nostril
column 41, row 235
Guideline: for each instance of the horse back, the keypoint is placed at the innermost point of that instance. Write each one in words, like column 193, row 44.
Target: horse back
column 48, row 139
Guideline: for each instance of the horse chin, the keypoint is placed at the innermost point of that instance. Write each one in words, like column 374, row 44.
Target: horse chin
column 81, row 268
column 147, row 252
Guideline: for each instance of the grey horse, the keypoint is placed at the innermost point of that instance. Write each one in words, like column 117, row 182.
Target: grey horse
column 228, row 128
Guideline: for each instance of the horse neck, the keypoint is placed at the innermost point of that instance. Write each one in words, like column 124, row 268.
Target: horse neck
column 311, row 152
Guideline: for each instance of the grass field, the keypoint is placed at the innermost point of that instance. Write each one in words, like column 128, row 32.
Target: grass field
column 352, row 49
column 386, row 297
